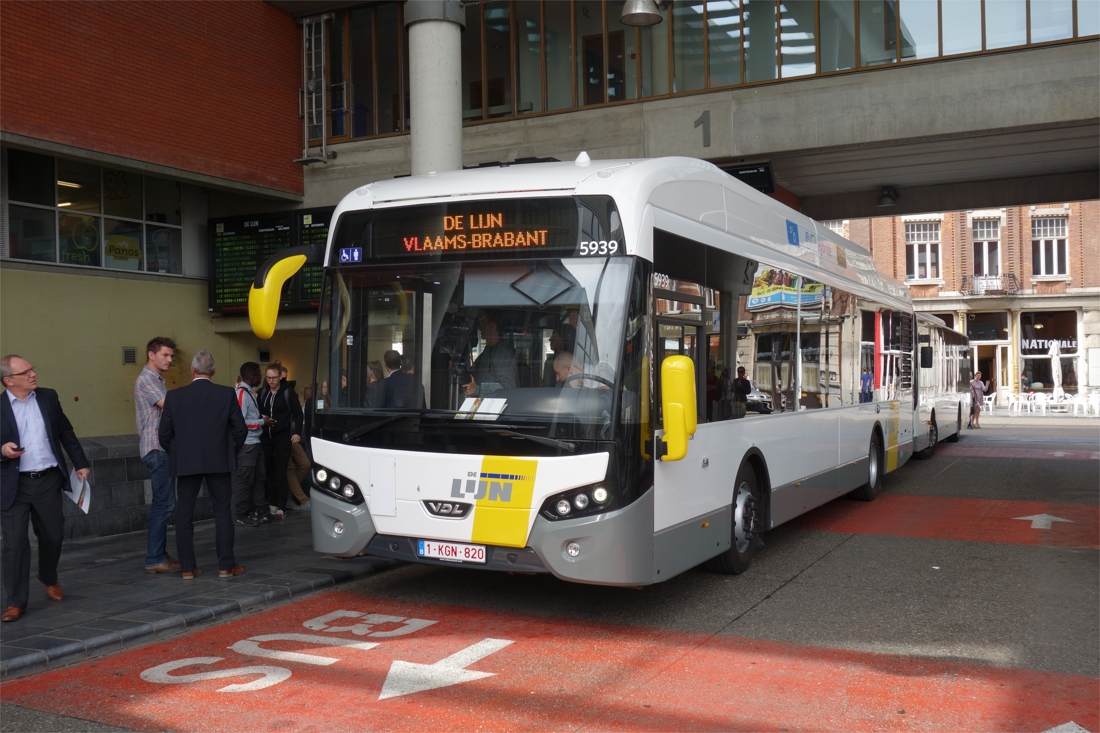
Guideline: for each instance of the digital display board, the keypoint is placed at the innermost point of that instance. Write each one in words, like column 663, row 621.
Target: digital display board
column 525, row 227
column 239, row 245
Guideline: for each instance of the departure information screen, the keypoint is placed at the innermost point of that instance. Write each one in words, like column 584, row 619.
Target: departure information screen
column 241, row 244
column 563, row 226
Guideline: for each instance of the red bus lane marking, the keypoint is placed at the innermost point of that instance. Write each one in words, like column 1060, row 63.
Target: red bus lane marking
column 972, row 520
column 539, row 673
column 1056, row 454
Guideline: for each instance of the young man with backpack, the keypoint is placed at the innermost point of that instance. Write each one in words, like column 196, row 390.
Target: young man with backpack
column 282, row 417
column 250, row 506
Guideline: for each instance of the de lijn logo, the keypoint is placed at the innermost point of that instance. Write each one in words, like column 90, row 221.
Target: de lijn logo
column 494, row 486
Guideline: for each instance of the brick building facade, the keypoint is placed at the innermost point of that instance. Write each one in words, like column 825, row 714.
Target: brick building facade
column 1013, row 279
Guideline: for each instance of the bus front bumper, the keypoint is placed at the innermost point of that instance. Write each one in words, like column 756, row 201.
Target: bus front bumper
column 615, row 548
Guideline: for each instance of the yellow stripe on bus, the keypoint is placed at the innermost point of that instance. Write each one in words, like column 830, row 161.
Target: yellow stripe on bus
column 501, row 516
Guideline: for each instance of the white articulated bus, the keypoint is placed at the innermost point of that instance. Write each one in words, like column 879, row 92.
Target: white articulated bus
column 533, row 368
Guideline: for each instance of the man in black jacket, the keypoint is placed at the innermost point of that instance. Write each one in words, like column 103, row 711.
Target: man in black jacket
column 33, row 429
column 202, row 431
column 282, row 427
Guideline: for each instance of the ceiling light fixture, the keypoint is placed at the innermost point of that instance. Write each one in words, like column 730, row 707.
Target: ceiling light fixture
column 889, row 197
column 69, row 184
column 640, row 13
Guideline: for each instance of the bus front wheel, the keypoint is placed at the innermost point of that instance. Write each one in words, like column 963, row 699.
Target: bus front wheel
column 875, row 464
column 748, row 523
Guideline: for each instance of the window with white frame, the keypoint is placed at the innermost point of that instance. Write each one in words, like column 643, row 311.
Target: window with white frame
column 922, row 250
column 987, row 247
column 835, row 225
column 1048, row 247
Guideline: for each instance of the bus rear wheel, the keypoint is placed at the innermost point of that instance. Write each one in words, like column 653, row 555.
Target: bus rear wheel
column 875, row 464
column 748, row 523
column 933, row 438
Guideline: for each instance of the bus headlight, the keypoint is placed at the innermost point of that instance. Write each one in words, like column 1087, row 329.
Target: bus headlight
column 580, row 502
column 335, row 485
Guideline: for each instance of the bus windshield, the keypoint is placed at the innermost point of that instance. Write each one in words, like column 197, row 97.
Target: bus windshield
column 500, row 341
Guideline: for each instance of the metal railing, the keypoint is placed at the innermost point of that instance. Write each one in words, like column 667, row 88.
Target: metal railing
column 989, row 284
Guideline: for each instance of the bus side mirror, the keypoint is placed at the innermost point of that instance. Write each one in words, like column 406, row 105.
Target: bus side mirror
column 926, row 357
column 677, row 405
column 266, row 291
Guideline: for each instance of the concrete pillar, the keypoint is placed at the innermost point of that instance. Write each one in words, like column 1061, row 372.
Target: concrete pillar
column 435, row 79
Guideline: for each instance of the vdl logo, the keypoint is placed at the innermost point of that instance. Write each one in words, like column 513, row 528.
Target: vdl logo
column 495, row 486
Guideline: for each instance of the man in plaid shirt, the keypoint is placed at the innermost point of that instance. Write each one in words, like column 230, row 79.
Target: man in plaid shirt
column 149, row 392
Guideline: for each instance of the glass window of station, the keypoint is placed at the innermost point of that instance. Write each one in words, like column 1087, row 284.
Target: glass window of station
column 1048, row 351
column 73, row 213
column 529, row 56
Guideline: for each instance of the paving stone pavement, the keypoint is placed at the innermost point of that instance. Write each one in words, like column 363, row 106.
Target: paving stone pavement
column 111, row 602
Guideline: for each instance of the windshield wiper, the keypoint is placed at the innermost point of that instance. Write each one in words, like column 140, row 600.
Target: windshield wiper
column 552, row 442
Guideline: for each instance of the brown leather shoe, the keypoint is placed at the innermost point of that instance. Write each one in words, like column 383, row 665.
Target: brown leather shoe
column 53, row 592
column 168, row 566
column 192, row 574
column 12, row 613
column 231, row 572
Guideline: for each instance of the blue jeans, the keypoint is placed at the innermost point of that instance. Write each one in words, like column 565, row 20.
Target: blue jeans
column 164, row 502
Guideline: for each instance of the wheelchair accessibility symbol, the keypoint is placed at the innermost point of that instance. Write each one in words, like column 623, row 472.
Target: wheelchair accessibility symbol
column 351, row 254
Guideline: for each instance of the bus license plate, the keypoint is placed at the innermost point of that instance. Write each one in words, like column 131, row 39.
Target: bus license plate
column 450, row 551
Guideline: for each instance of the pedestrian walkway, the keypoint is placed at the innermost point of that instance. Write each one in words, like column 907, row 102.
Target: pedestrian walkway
column 111, row 602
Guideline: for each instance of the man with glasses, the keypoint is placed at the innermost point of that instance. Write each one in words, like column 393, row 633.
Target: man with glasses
column 149, row 392
column 33, row 474
column 282, row 417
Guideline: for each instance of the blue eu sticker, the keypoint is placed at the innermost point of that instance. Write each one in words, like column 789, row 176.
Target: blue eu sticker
column 792, row 232
column 351, row 254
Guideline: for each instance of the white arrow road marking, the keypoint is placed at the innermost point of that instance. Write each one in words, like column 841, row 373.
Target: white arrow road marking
column 271, row 675
column 1044, row 521
column 1069, row 727
column 405, row 678
column 251, row 647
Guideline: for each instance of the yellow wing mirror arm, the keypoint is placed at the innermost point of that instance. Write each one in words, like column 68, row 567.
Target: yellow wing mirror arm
column 266, row 291
column 678, row 400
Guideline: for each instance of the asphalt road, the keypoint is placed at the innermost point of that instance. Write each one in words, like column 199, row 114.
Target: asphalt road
column 854, row 617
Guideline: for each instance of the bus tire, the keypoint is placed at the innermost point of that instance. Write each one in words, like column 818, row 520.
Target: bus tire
column 958, row 428
column 875, row 464
column 933, row 438
column 748, row 523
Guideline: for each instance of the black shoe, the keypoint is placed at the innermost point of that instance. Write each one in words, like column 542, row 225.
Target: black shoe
column 263, row 519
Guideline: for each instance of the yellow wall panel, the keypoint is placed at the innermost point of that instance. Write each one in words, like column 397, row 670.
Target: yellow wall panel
column 72, row 328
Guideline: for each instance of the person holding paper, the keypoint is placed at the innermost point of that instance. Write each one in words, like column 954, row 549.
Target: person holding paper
column 33, row 474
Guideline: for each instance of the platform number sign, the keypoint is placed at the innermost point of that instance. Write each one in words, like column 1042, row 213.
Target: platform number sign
column 704, row 122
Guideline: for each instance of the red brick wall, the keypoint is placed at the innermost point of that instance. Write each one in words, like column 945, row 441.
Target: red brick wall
column 1089, row 249
column 208, row 87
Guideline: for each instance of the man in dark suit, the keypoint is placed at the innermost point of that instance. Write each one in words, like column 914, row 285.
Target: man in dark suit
column 202, row 431
column 33, row 429
column 399, row 387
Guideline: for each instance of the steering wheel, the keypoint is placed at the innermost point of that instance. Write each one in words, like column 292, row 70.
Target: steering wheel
column 585, row 375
